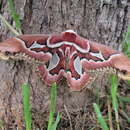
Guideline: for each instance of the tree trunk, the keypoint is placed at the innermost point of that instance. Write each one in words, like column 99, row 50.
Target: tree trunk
column 103, row 21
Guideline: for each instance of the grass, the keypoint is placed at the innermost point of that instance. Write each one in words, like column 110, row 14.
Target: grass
column 8, row 25
column 1, row 125
column 115, row 99
column 15, row 16
column 27, row 106
column 100, row 118
column 114, row 92
column 126, row 42
column 52, row 124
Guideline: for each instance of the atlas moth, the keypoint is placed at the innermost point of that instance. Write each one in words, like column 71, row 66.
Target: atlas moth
column 66, row 56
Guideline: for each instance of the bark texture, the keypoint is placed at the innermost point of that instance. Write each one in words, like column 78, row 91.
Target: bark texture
column 103, row 21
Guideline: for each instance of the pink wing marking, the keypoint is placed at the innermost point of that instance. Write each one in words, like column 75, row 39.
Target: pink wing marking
column 33, row 43
column 29, row 39
column 77, row 85
column 56, row 41
column 12, row 45
column 47, row 77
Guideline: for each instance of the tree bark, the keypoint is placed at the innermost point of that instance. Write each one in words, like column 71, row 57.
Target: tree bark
column 103, row 21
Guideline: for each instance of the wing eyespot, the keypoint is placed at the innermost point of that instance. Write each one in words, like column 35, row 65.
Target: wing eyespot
column 7, row 53
column 124, row 72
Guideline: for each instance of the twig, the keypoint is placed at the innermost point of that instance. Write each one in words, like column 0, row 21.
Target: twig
column 110, row 114
column 68, row 116
column 84, row 118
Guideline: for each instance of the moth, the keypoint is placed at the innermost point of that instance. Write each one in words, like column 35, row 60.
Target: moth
column 66, row 56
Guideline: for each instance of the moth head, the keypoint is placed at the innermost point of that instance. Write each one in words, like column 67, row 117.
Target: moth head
column 122, row 64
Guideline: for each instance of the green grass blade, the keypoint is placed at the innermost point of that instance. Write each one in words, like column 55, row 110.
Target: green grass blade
column 100, row 117
column 124, row 99
column 54, row 126
column 15, row 16
column 114, row 88
column 8, row 25
column 52, row 106
column 27, row 107
column 53, row 97
column 129, row 82
column 126, row 44
column 124, row 114
column 126, row 41
column 1, row 124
